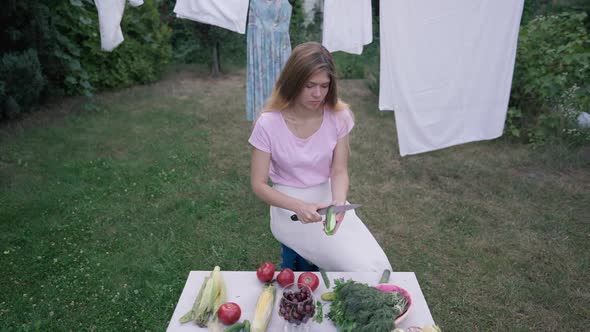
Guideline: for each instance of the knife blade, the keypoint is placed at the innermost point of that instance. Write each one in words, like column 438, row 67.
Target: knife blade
column 337, row 209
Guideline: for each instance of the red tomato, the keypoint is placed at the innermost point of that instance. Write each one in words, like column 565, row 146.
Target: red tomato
column 309, row 279
column 229, row 313
column 265, row 272
column 286, row 277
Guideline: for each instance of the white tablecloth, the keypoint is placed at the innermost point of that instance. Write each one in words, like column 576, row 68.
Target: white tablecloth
column 244, row 288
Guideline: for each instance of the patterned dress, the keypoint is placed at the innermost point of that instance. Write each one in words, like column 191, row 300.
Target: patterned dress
column 269, row 46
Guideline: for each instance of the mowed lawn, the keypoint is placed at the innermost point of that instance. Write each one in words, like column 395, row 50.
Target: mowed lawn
column 107, row 203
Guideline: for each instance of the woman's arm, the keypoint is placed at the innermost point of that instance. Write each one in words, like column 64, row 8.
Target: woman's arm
column 339, row 171
column 259, row 167
column 339, row 175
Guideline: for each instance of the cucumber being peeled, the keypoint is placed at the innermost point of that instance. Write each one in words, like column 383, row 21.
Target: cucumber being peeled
column 330, row 227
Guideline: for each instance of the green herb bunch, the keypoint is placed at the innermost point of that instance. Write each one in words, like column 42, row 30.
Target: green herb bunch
column 361, row 308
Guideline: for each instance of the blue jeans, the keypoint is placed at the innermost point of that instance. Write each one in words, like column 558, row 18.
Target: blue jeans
column 292, row 260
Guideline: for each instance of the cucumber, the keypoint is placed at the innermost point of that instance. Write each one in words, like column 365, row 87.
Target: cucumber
column 385, row 277
column 325, row 277
column 330, row 227
column 329, row 296
column 235, row 328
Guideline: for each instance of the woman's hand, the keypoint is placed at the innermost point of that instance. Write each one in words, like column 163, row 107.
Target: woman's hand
column 339, row 215
column 308, row 212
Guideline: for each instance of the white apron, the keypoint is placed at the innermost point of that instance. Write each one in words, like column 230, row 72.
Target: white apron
column 352, row 248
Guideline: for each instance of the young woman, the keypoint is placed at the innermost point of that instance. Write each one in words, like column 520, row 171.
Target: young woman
column 300, row 140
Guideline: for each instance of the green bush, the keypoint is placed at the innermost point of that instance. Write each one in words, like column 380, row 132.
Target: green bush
column 139, row 59
column 553, row 59
column 22, row 82
column 58, row 42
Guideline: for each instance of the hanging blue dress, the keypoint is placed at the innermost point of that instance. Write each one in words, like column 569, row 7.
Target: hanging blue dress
column 269, row 46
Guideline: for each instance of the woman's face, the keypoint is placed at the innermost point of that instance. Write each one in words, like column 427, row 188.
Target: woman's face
column 314, row 91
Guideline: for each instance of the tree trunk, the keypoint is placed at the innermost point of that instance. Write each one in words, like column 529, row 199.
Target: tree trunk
column 216, row 64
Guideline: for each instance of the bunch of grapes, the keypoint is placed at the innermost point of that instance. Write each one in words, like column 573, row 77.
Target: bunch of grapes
column 297, row 306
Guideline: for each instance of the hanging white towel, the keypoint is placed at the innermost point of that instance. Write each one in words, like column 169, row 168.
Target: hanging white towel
column 110, row 13
column 136, row 3
column 228, row 14
column 347, row 25
column 446, row 69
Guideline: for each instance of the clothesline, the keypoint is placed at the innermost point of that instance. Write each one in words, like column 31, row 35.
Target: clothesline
column 445, row 66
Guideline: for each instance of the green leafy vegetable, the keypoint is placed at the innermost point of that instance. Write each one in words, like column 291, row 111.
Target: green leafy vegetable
column 319, row 313
column 361, row 308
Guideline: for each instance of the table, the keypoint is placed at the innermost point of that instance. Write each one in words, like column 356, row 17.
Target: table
column 244, row 288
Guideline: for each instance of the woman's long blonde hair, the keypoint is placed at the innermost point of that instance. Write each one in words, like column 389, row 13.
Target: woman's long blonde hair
column 305, row 60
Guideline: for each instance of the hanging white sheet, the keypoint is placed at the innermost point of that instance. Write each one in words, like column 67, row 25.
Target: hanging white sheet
column 446, row 69
column 347, row 25
column 228, row 14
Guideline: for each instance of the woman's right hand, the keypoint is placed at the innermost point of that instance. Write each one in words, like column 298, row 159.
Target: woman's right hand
column 308, row 212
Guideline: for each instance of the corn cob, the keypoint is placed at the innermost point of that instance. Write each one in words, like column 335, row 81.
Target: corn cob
column 221, row 295
column 210, row 293
column 191, row 314
column 211, row 296
column 264, row 308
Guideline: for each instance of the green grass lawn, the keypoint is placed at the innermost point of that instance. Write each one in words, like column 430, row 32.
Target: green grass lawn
column 107, row 203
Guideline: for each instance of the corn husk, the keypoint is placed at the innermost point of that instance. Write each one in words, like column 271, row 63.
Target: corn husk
column 211, row 296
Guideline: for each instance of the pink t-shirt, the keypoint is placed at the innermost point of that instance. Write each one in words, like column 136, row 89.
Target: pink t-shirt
column 300, row 162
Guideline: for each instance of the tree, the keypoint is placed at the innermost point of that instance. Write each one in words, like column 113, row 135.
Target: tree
column 297, row 24
column 211, row 36
column 195, row 42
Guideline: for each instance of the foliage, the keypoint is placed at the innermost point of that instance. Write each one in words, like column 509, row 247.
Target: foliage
column 64, row 35
column 513, row 122
column 533, row 8
column 75, row 30
column 139, row 59
column 301, row 31
column 574, row 101
column 313, row 30
column 297, row 23
column 194, row 42
column 185, row 47
column 31, row 25
column 553, row 57
column 21, row 82
column 360, row 307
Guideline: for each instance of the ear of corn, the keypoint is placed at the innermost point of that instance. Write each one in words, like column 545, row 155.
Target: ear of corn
column 211, row 296
column 191, row 314
column 264, row 308
column 221, row 295
column 210, row 293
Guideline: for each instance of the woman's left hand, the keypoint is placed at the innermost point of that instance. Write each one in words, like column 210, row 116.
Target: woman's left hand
column 340, row 215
